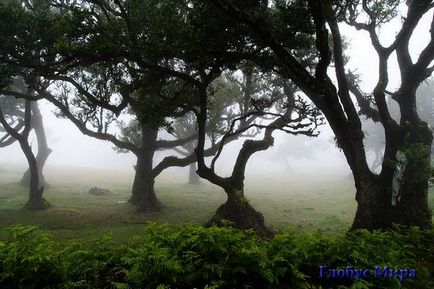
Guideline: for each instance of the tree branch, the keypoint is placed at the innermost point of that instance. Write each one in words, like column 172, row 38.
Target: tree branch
column 167, row 144
column 82, row 126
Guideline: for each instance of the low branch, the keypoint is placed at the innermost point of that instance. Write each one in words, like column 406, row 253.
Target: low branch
column 168, row 144
column 91, row 98
column 81, row 126
column 7, row 139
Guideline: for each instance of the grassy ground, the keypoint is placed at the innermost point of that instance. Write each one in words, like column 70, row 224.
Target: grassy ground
column 304, row 202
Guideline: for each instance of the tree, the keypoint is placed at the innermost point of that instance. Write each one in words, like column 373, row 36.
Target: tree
column 411, row 137
column 85, row 90
column 111, row 56
column 149, row 54
column 185, row 127
column 294, row 116
column 425, row 105
column 14, row 106
column 16, row 119
column 87, row 105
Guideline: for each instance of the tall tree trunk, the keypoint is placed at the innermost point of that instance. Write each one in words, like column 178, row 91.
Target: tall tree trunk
column 412, row 201
column 43, row 149
column 373, row 192
column 143, row 193
column 35, row 201
column 193, row 177
column 238, row 210
column 374, row 208
column 36, row 190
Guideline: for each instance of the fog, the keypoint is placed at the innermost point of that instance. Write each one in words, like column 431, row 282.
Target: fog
column 289, row 155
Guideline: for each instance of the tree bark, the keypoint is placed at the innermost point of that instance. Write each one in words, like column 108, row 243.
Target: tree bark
column 412, row 201
column 35, row 201
column 374, row 193
column 238, row 211
column 43, row 149
column 143, row 193
column 374, row 206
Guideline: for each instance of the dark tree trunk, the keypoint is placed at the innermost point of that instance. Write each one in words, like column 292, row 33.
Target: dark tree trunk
column 238, row 210
column 412, row 201
column 193, row 177
column 43, row 149
column 373, row 204
column 374, row 193
column 143, row 194
column 36, row 190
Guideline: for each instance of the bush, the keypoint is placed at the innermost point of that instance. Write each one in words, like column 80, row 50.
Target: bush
column 191, row 256
column 96, row 266
column 29, row 259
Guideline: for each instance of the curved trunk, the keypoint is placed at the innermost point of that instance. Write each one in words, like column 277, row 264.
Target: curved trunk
column 43, row 149
column 35, row 201
column 373, row 192
column 238, row 211
column 143, row 194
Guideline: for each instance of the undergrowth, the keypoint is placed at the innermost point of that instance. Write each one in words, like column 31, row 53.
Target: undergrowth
column 191, row 256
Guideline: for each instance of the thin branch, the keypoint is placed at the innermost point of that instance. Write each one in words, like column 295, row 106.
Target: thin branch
column 82, row 126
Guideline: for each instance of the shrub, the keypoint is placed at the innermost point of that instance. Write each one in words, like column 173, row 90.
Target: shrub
column 194, row 257
column 29, row 259
column 190, row 256
column 96, row 266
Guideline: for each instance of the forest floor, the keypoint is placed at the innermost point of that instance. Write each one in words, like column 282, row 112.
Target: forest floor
column 304, row 202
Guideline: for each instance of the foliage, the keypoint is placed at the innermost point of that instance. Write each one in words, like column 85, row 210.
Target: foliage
column 419, row 167
column 98, row 266
column 29, row 259
column 191, row 256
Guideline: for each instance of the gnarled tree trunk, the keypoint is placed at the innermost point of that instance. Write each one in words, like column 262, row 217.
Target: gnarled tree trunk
column 143, row 194
column 411, row 206
column 238, row 210
column 43, row 149
column 373, row 204
column 35, row 201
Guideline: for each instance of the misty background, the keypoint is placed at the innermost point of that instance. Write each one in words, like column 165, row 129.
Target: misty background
column 290, row 154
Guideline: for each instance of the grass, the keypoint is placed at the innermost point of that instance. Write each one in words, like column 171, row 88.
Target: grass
column 304, row 202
